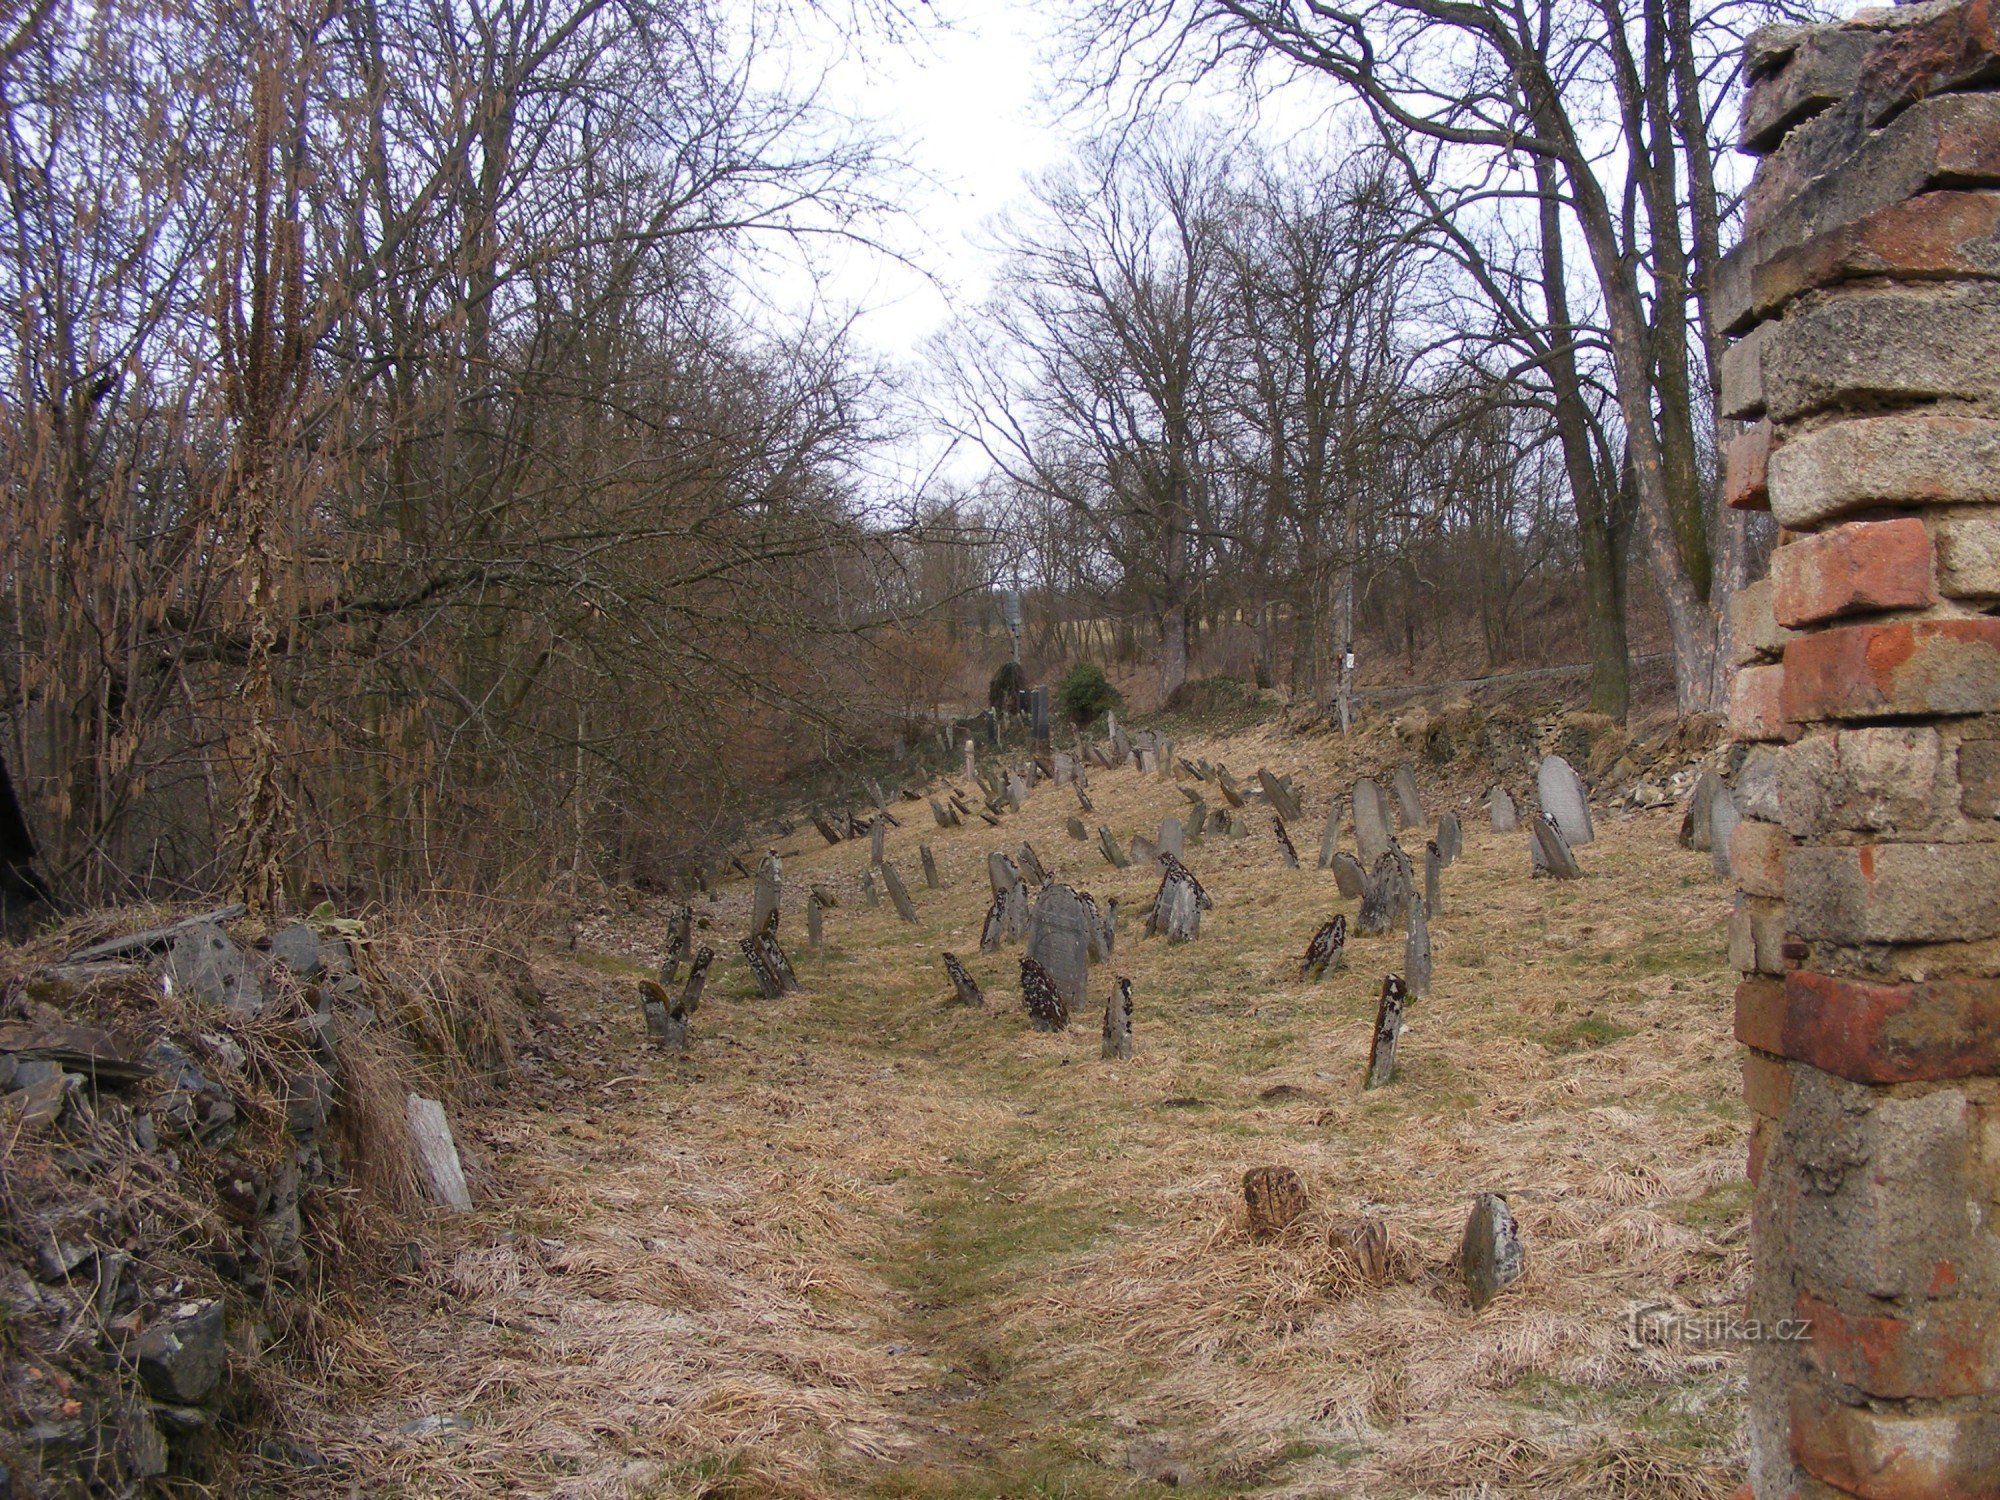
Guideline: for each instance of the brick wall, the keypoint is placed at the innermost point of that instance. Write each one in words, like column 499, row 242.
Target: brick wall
column 1864, row 305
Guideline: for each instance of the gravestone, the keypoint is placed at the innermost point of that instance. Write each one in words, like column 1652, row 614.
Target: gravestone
column 1118, row 1022
column 666, row 1015
column 1038, row 711
column 1490, row 1255
column 1348, row 875
column 1172, row 840
column 1076, row 829
column 1279, row 795
column 1144, row 851
column 697, row 979
column 1198, row 819
column 768, row 983
column 1082, row 796
column 1698, row 823
column 1385, row 895
column 1231, row 792
column 1178, row 904
column 768, row 890
column 1722, row 821
column 1329, row 839
column 1371, row 823
column 1017, row 790
column 878, row 832
column 899, row 893
column 774, row 956
column 971, row 766
column 1433, row 875
column 1409, row 806
column 1500, row 806
column 929, row 859
column 1327, row 950
column 1285, row 850
column 1450, row 839
column 1417, row 952
column 1273, row 1197
column 1562, row 796
column 1030, row 865
column 815, row 924
column 1552, row 854
column 442, row 1176
column 1059, row 939
column 1388, row 1030
column 868, row 891
column 1364, row 1242
column 993, row 925
column 1105, row 938
column 1000, row 873
column 961, row 983
column 1111, row 850
column 826, row 830
column 1044, row 1002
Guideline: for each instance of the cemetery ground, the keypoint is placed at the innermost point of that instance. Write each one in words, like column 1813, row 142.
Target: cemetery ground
column 861, row 1241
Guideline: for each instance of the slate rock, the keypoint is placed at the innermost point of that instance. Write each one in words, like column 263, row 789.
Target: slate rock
column 205, row 962
column 296, row 946
column 181, row 1356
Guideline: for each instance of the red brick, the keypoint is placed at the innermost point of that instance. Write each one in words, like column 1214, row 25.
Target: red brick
column 1767, row 1085
column 1946, row 51
column 1757, row 857
column 1947, row 1349
column 1757, row 699
column 1893, row 1455
column 1913, row 668
column 1862, row 566
column 1878, row 1033
column 1760, row 1015
column 1747, row 468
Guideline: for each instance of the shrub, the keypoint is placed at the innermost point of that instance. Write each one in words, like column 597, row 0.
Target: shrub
column 1085, row 692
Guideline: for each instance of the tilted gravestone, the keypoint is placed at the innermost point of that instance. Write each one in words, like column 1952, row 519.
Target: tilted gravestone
column 768, row 891
column 1059, row 939
column 1371, row 827
column 1552, row 854
column 1111, row 850
column 1722, row 820
column 1118, row 1022
column 1144, row 851
column 1329, row 839
column 1698, row 823
column 1450, row 839
column 1172, row 840
column 1433, row 875
column 769, row 985
column 1279, row 795
column 930, row 867
column 1178, row 904
column 1409, row 806
column 1031, row 865
column 1285, row 850
column 1417, row 952
column 899, row 893
column 1490, row 1255
column 1076, row 829
column 1327, row 950
column 868, row 892
column 1388, row 1031
column 1044, row 1002
column 1198, row 819
column 1563, row 798
column 1500, row 806
column 1348, row 875
column 878, row 832
column 961, row 983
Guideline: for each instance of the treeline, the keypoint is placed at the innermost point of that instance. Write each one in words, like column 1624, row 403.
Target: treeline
column 396, row 494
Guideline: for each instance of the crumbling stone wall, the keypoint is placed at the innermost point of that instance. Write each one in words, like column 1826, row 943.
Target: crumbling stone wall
column 1864, row 303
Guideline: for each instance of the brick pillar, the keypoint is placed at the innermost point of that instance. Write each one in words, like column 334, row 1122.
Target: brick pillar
column 1865, row 307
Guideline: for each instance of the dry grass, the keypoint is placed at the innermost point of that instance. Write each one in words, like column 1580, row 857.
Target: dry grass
column 865, row 1243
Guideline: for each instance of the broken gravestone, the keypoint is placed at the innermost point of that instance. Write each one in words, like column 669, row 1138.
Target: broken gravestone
column 1450, row 838
column 1285, row 850
column 1272, row 1197
column 961, row 983
column 1417, row 952
column 1348, row 875
column 1178, row 904
column 1329, row 839
column 1118, row 1022
column 1110, row 847
column 1031, row 865
column 1563, row 798
column 1386, row 894
column 1059, row 940
column 899, row 893
column 1551, row 851
column 667, row 1015
column 1500, row 804
column 1279, row 795
column 1388, row 1029
column 1490, row 1255
column 1409, row 806
column 768, row 890
column 1327, row 950
column 438, row 1168
column 1044, row 1002
column 1371, row 827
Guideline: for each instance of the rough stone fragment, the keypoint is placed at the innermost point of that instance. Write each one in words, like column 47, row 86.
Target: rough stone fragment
column 182, row 1355
column 1722, row 820
column 205, row 962
column 296, row 946
column 1491, row 1255
column 1697, row 823
column 439, row 1171
column 1924, row 457
column 1364, row 1243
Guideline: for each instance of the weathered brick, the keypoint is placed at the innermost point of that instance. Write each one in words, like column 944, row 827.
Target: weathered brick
column 1875, row 344
column 1884, row 1033
column 1859, row 780
column 1747, row 468
column 1968, row 553
column 1760, row 1015
column 1979, row 778
column 1940, row 1351
column 1934, row 235
column 1909, row 458
column 1757, row 936
column 1894, row 893
column 1754, row 632
column 1757, row 857
column 1757, row 699
column 1767, row 1085
column 1819, row 73
column 1903, row 669
column 1896, row 1454
column 1742, row 372
column 1851, row 569
column 1951, row 48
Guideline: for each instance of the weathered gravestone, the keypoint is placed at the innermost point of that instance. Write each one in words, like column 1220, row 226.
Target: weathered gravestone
column 899, row 893
column 1178, row 904
column 1348, row 875
column 1433, row 876
column 929, row 859
column 1059, row 939
column 667, row 1015
column 1490, row 1255
column 1144, row 851
column 1364, row 1243
column 769, row 985
column 768, row 890
column 1110, row 847
column 1562, row 796
column 815, row 923
column 1698, row 823
column 961, row 983
column 1329, row 839
column 1172, row 840
column 1285, row 850
column 878, row 831
column 1500, row 805
column 1104, row 935
column 1030, row 865
column 1388, row 1030
column 1279, row 795
column 1076, row 829
column 946, row 817
column 1044, row 1002
column 1231, row 792
column 1327, row 950
column 1386, row 894
column 1371, row 824
column 1001, row 873
column 1198, row 819
column 438, row 1166
column 1450, row 838
column 1551, row 851
column 1273, row 1197
column 1722, row 820
column 1417, row 952
column 1409, row 806
column 868, row 892
column 1118, row 1021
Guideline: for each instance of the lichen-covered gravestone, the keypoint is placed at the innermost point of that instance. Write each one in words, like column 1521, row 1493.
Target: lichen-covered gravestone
column 1044, row 1002
column 1178, row 904
column 1490, row 1255
column 1417, row 952
column 1118, row 1021
column 1285, row 850
column 1371, row 827
column 1500, row 805
column 1327, row 950
column 1409, row 806
column 1059, row 939
column 962, row 983
column 1563, row 798
column 1273, row 1197
column 1388, row 1030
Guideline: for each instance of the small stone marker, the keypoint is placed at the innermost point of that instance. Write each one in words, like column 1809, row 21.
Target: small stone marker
column 1198, row 819
column 667, row 1016
column 1409, row 806
column 1082, row 797
column 1144, row 851
column 697, row 979
column 1348, row 875
column 769, row 985
column 1118, row 1021
column 1273, row 1197
column 868, row 892
column 931, row 881
column 1110, row 847
column 1433, row 874
column 1563, row 798
column 1371, row 827
column 1044, row 1002
column 1279, row 795
column 1552, row 855
column 1031, row 865
column 1059, row 941
column 1329, row 839
column 1076, row 829
column 878, row 831
column 899, row 893
column 437, row 1154
column 1178, row 904
column 1364, row 1242
column 768, row 890
column 1172, row 839
column 1490, row 1255
column 815, row 925
column 1327, row 950
column 1388, row 1028
column 1722, row 820
column 1698, row 823
column 944, row 820
column 1285, row 850
column 961, row 983
column 1417, row 952
column 1500, row 805
column 1450, row 838
column 971, row 766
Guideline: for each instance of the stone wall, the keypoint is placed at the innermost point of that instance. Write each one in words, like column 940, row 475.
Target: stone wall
column 1864, row 304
